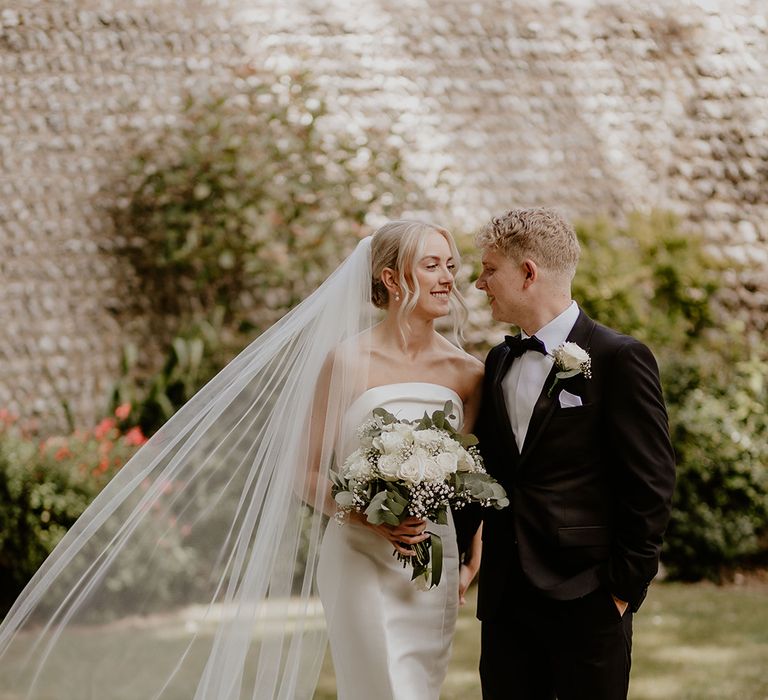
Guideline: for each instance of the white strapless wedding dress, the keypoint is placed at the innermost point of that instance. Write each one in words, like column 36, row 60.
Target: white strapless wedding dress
column 389, row 640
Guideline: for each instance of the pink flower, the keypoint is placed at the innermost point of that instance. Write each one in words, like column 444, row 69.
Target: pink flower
column 123, row 411
column 103, row 428
column 134, row 437
column 62, row 453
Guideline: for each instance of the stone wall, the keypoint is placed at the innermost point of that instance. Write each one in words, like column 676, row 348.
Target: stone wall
column 596, row 107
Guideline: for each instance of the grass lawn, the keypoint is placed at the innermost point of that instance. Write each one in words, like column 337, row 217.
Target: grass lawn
column 691, row 642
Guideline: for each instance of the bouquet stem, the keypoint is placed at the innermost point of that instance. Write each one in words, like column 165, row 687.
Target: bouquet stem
column 428, row 560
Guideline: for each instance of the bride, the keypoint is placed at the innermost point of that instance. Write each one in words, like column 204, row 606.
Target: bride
column 388, row 639
column 195, row 573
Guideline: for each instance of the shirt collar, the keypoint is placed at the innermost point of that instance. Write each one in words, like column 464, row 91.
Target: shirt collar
column 556, row 332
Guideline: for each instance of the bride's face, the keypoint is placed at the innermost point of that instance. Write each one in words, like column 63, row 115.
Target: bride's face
column 434, row 272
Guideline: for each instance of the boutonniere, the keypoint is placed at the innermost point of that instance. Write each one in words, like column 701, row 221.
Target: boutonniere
column 570, row 359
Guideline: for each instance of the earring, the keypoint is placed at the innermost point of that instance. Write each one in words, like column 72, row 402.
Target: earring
column 397, row 297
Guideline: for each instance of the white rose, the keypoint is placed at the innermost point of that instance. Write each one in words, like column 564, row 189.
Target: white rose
column 571, row 356
column 448, row 463
column 414, row 468
column 427, row 437
column 451, row 445
column 388, row 442
column 388, row 467
column 356, row 466
column 433, row 471
column 466, row 462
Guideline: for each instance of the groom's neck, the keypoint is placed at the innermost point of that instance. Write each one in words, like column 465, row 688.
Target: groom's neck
column 544, row 311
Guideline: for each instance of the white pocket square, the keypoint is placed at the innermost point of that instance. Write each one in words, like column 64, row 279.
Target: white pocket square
column 569, row 400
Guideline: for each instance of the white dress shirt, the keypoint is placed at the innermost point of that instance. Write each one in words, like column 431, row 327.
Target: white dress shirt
column 525, row 380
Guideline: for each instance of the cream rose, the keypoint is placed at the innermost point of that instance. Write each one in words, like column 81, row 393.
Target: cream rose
column 414, row 468
column 427, row 437
column 356, row 466
column 388, row 467
column 570, row 356
column 448, row 463
column 466, row 462
column 389, row 442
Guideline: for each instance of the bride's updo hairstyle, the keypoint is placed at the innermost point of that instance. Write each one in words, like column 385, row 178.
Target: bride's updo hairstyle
column 399, row 245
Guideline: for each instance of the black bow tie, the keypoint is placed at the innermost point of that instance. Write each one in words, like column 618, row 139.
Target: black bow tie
column 518, row 346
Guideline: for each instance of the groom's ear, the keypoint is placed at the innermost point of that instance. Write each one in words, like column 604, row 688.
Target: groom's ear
column 530, row 273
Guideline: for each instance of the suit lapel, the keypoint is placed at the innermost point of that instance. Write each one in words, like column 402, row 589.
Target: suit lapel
column 581, row 333
column 502, row 368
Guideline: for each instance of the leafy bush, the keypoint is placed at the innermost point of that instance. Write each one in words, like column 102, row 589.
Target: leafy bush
column 45, row 484
column 252, row 197
column 235, row 214
column 720, row 514
column 194, row 357
column 648, row 279
column 659, row 284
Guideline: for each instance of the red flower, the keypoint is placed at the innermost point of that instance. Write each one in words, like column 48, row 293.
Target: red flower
column 103, row 428
column 123, row 411
column 135, row 437
column 7, row 417
column 62, row 453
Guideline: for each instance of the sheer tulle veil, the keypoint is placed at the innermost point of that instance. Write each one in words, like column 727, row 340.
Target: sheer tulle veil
column 192, row 573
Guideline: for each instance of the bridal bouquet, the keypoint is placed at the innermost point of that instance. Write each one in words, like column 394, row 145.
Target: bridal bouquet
column 414, row 468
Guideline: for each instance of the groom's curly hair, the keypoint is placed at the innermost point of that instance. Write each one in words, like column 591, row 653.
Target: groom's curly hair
column 538, row 233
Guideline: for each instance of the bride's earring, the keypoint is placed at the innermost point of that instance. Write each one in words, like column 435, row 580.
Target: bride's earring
column 397, row 297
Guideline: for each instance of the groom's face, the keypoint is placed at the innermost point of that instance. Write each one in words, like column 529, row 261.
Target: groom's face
column 503, row 280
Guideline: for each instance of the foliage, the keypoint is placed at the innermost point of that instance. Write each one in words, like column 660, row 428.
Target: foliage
column 194, row 357
column 252, row 197
column 653, row 281
column 720, row 514
column 45, row 484
column 648, row 279
column 237, row 212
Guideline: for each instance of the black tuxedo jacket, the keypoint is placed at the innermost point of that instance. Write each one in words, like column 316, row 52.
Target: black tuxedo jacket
column 590, row 491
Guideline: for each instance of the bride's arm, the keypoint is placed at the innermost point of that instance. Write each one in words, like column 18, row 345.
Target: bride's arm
column 327, row 413
column 322, row 437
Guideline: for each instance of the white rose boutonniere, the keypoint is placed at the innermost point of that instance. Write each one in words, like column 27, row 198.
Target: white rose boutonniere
column 570, row 359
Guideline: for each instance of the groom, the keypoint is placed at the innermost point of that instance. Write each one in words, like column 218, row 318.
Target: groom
column 587, row 462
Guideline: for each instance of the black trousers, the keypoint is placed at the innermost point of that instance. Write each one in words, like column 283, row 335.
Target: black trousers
column 545, row 649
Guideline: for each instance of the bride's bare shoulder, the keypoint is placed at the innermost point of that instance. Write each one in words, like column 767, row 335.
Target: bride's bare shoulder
column 350, row 352
column 467, row 368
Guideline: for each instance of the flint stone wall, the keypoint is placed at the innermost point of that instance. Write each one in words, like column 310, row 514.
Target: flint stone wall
column 592, row 106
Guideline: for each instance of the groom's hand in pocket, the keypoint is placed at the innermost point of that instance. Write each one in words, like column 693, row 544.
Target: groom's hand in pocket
column 621, row 605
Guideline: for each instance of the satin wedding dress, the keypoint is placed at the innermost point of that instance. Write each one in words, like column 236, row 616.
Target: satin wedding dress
column 389, row 639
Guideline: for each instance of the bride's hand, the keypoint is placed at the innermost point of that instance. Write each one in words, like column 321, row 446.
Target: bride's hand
column 410, row 531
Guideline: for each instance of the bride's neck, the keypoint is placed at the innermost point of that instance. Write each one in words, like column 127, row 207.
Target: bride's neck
column 412, row 339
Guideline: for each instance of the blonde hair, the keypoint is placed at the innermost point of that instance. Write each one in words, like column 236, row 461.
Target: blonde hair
column 399, row 245
column 542, row 235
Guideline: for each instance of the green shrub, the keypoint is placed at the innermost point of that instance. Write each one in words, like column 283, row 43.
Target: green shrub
column 194, row 357
column 648, row 279
column 720, row 514
column 653, row 281
column 237, row 212
column 252, row 197
column 45, row 484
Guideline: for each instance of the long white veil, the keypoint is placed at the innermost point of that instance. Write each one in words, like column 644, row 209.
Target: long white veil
column 192, row 574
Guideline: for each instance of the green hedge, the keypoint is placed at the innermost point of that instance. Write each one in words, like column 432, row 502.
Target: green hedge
column 655, row 281
column 46, row 483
